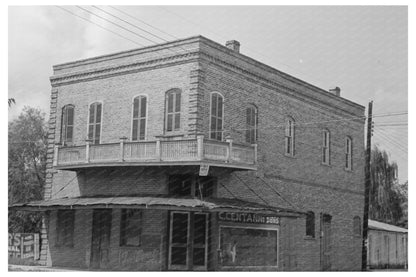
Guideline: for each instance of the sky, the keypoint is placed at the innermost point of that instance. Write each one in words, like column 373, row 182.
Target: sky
column 361, row 49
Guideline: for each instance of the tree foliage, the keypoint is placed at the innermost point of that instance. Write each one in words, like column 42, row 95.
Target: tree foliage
column 27, row 166
column 386, row 198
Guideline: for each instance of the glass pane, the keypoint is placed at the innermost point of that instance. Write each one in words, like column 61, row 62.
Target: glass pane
column 136, row 108
column 143, row 106
column 142, row 128
column 70, row 116
column 169, row 122
column 180, row 228
column 180, row 185
column 178, row 256
column 219, row 106
column 200, row 228
column 178, row 102
column 170, row 102
column 135, row 123
column 92, row 113
column 199, row 256
column 90, row 131
column 177, row 121
column 214, row 104
column 98, row 119
column 69, row 132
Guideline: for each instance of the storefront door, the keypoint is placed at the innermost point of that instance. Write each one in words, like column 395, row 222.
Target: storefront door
column 100, row 246
column 325, row 242
column 188, row 241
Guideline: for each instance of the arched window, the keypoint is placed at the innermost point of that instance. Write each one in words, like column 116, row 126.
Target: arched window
column 326, row 144
column 290, row 137
column 94, row 122
column 357, row 226
column 67, row 127
column 139, row 118
column 216, row 117
column 173, row 110
column 251, row 124
column 348, row 153
column 310, row 224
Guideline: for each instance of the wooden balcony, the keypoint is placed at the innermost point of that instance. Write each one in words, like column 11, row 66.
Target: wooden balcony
column 197, row 151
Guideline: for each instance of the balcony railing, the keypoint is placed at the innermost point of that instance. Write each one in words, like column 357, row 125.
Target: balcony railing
column 160, row 152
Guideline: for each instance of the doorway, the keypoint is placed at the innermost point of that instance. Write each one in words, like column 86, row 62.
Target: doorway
column 325, row 242
column 100, row 246
column 188, row 241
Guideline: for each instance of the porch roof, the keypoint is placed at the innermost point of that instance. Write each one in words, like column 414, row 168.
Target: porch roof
column 156, row 202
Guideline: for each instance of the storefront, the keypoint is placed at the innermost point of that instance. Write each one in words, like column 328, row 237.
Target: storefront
column 162, row 233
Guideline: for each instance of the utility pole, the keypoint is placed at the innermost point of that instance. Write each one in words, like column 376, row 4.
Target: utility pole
column 367, row 186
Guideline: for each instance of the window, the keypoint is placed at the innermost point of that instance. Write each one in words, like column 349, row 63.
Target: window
column 310, row 224
column 67, row 127
column 357, row 226
column 130, row 227
column 325, row 147
column 139, row 118
column 348, row 153
column 173, row 110
column 251, row 124
column 65, row 228
column 216, row 118
column 189, row 185
column 94, row 122
column 290, row 137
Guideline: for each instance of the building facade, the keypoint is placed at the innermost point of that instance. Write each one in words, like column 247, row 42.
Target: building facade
column 387, row 246
column 189, row 155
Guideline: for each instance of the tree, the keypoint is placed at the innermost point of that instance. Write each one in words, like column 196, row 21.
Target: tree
column 385, row 197
column 27, row 166
column 11, row 101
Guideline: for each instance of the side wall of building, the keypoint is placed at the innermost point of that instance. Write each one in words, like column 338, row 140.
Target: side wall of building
column 387, row 249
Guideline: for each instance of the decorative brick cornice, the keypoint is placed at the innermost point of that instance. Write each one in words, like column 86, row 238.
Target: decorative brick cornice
column 125, row 68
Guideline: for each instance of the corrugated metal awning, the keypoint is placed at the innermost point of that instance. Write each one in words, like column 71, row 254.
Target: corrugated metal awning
column 152, row 202
column 377, row 225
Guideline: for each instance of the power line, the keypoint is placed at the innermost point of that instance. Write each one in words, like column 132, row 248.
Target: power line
column 98, row 25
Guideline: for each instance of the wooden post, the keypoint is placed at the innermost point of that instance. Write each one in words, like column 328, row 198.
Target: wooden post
column 367, row 187
column 229, row 149
column 87, row 150
column 200, row 147
column 122, row 140
column 55, row 155
column 158, row 150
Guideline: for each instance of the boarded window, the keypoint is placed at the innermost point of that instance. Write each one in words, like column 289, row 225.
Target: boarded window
column 357, row 226
column 216, row 117
column 94, row 122
column 290, row 137
column 67, row 128
column 173, row 110
column 248, row 247
column 325, row 147
column 139, row 118
column 65, row 228
column 251, row 125
column 130, row 227
column 310, row 224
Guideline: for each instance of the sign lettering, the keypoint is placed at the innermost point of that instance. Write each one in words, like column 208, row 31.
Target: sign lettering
column 247, row 218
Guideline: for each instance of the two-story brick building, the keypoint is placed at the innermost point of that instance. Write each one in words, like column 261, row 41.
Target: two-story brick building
column 189, row 155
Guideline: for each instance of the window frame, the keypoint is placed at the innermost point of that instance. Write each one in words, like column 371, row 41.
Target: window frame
column 326, row 148
column 290, row 135
column 123, row 224
column 65, row 125
column 174, row 91
column 216, row 117
column 348, row 153
column 141, row 95
column 65, row 229
column 95, row 123
column 251, row 130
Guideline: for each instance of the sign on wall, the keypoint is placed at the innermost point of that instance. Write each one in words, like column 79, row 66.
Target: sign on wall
column 24, row 245
column 248, row 218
